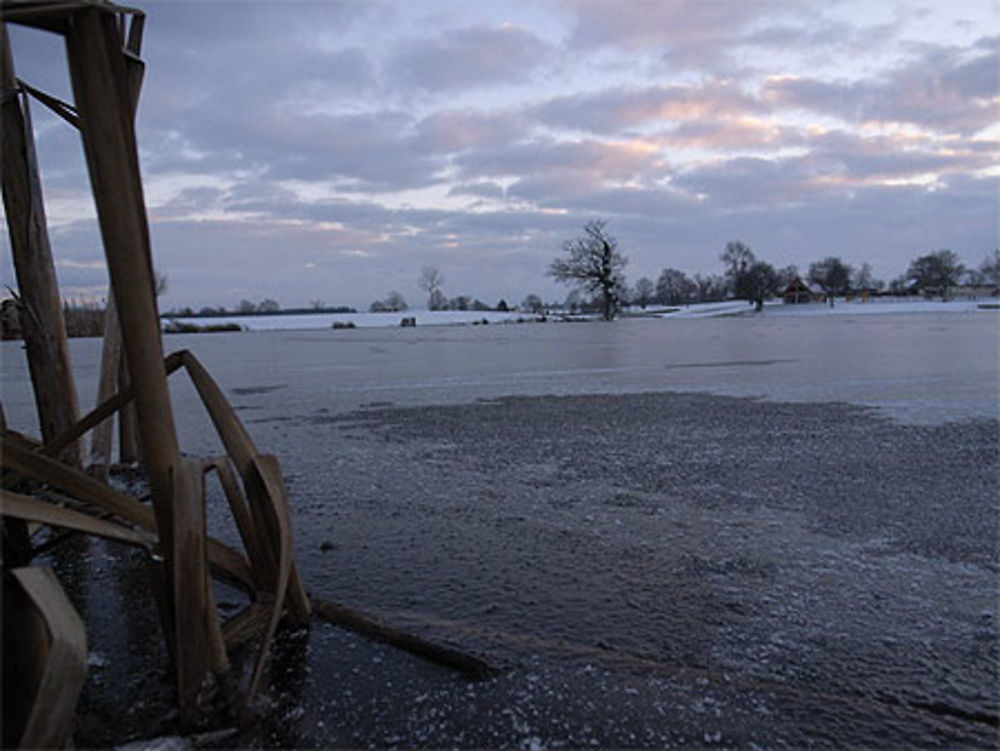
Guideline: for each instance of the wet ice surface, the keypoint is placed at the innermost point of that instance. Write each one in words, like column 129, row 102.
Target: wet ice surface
column 648, row 568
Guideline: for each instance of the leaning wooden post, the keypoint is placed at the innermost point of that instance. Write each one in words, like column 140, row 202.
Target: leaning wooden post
column 100, row 86
column 42, row 323
column 97, row 69
column 128, row 426
column 100, row 439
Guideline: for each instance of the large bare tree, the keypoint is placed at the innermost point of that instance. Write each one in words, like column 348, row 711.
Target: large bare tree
column 430, row 281
column 593, row 262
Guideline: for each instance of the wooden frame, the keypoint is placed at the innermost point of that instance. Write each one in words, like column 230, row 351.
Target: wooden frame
column 106, row 74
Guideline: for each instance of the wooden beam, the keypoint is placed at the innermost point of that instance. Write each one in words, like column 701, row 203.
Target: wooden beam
column 32, row 509
column 103, row 102
column 50, row 723
column 42, row 323
column 100, row 440
column 190, row 590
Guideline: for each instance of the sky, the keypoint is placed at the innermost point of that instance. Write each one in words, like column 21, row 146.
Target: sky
column 328, row 151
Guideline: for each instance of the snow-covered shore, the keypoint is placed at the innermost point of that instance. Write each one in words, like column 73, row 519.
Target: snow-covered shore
column 877, row 306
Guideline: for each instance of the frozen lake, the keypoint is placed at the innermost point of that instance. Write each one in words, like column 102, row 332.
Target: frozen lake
column 921, row 368
column 649, row 561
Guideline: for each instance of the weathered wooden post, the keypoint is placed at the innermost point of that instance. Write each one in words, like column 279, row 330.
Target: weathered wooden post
column 105, row 104
column 100, row 439
column 42, row 323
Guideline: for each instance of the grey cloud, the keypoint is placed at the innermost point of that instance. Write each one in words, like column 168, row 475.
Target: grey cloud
column 481, row 190
column 686, row 34
column 746, row 181
column 946, row 89
column 468, row 57
column 613, row 110
column 587, row 160
column 457, row 130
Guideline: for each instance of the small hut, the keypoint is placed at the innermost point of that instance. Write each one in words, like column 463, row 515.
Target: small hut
column 798, row 291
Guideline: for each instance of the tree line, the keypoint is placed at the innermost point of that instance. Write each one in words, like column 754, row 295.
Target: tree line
column 593, row 264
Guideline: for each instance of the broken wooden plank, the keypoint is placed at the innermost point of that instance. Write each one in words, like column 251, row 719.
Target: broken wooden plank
column 102, row 411
column 193, row 659
column 264, row 472
column 27, row 508
column 76, row 484
column 100, row 88
column 241, row 513
column 248, row 624
column 242, row 451
column 41, row 311
column 50, row 722
column 111, row 348
column 363, row 624
column 73, row 482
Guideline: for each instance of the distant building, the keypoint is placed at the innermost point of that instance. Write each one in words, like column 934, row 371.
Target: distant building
column 798, row 292
column 973, row 291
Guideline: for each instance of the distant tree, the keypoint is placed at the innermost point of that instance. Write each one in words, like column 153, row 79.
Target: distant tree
column 674, row 287
column 936, row 271
column 990, row 268
column 533, row 304
column 787, row 275
column 832, row 274
column 594, row 264
column 644, row 292
column 761, row 281
column 863, row 278
column 268, row 306
column 430, row 281
column 246, row 306
column 317, row 304
column 462, row 302
column 437, row 300
column 396, row 302
column 573, row 301
column 709, row 288
column 502, row 306
column 738, row 258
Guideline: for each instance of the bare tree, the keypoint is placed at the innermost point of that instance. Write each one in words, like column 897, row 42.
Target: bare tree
column 936, row 271
column 738, row 258
column 832, row 274
column 760, row 281
column 431, row 281
column 593, row 263
column 674, row 287
column 533, row 304
column 644, row 292
column 990, row 267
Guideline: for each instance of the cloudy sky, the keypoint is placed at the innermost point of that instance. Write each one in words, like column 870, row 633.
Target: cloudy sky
column 328, row 150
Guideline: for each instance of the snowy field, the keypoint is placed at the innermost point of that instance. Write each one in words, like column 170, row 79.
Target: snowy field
column 700, row 310
column 877, row 306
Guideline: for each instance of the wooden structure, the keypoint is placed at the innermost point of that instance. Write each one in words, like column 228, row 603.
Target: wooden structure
column 798, row 292
column 42, row 481
column 103, row 44
column 44, row 670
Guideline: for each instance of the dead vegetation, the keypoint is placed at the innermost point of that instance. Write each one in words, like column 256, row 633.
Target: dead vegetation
column 44, row 483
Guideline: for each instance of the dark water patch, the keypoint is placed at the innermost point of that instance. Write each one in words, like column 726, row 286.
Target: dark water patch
column 250, row 390
column 726, row 364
